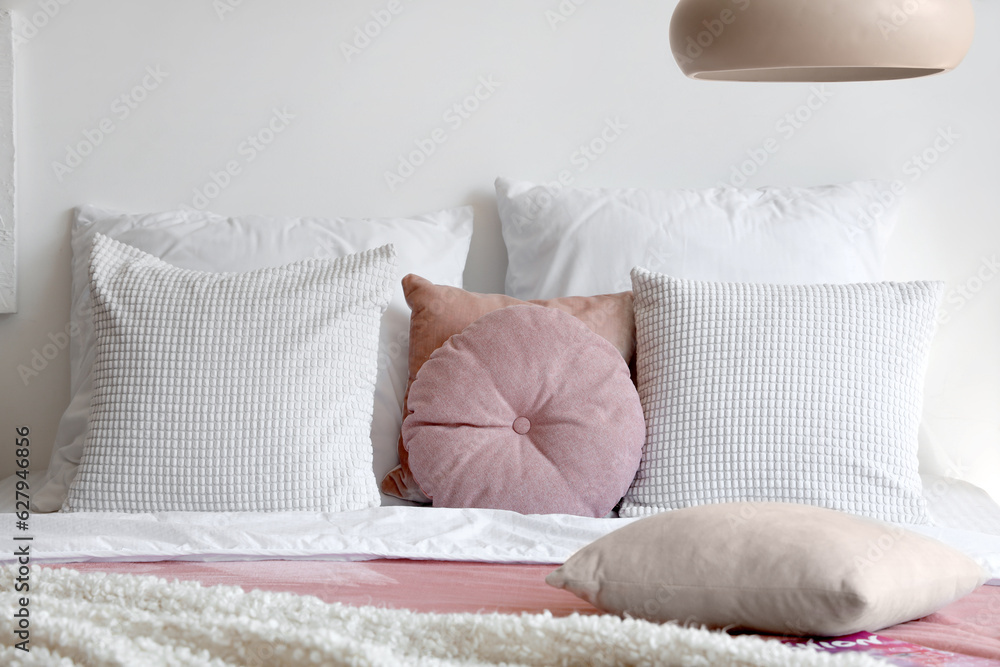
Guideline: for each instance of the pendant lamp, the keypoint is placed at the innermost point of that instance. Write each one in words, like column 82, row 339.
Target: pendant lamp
column 819, row 40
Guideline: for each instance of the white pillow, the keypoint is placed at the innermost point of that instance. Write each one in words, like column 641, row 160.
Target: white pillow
column 578, row 242
column 807, row 394
column 232, row 392
column 434, row 245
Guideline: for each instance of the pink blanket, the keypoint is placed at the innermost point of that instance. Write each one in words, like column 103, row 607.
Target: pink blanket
column 436, row 586
column 970, row 626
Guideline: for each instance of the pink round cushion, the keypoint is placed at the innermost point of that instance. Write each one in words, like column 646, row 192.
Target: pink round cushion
column 526, row 410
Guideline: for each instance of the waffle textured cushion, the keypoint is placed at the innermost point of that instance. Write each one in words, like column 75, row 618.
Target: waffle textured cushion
column 232, row 392
column 436, row 245
column 526, row 410
column 769, row 567
column 437, row 312
column 567, row 241
column 791, row 393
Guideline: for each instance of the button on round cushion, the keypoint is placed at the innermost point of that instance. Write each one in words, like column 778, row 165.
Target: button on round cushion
column 526, row 410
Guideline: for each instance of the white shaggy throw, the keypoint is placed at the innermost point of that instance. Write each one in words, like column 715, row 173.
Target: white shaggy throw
column 114, row 619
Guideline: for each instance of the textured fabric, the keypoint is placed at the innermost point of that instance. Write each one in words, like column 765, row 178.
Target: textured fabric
column 437, row 312
column 770, row 567
column 435, row 244
column 100, row 619
column 809, row 394
column 526, row 410
column 573, row 241
column 232, row 392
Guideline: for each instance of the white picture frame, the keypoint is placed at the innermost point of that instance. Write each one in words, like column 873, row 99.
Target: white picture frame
column 8, row 174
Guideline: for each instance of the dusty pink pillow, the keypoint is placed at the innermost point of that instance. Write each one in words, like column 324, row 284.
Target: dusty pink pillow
column 438, row 312
column 526, row 410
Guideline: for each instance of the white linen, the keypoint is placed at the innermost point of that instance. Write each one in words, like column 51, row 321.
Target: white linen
column 422, row 533
column 419, row 533
column 564, row 241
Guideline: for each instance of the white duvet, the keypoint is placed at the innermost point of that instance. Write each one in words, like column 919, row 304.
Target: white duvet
column 964, row 517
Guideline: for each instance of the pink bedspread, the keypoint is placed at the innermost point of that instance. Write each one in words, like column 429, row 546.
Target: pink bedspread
column 402, row 584
column 970, row 626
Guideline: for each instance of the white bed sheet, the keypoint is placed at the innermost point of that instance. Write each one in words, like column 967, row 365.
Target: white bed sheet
column 964, row 517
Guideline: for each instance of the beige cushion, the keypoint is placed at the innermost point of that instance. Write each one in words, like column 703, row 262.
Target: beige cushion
column 769, row 567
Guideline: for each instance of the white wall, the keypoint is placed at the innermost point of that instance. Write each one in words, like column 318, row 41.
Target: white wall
column 225, row 74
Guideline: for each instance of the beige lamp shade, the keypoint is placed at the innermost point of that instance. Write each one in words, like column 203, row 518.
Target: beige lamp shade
column 820, row 40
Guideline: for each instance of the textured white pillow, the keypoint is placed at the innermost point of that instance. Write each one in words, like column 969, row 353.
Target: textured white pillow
column 232, row 392
column 791, row 393
column 434, row 245
column 571, row 241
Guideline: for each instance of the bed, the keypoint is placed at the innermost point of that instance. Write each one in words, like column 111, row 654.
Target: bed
column 444, row 561
column 206, row 516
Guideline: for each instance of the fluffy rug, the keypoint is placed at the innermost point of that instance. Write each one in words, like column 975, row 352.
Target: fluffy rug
column 102, row 619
